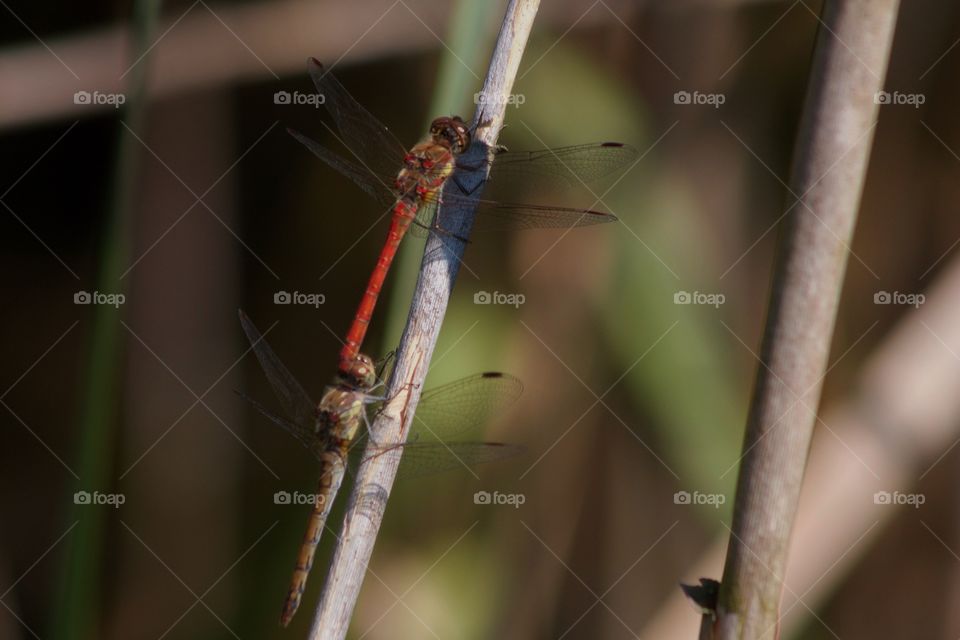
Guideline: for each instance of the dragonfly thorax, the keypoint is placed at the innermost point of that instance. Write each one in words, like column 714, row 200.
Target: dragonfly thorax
column 339, row 415
column 426, row 166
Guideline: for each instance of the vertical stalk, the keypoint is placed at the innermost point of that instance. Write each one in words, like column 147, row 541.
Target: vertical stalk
column 79, row 603
column 437, row 274
column 830, row 164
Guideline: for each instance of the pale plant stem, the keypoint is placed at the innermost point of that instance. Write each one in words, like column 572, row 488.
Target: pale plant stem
column 829, row 169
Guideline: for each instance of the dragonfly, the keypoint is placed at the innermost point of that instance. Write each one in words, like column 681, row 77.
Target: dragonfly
column 329, row 429
column 414, row 192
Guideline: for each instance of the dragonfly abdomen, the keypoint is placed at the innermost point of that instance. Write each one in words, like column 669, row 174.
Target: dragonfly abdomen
column 332, row 471
column 426, row 167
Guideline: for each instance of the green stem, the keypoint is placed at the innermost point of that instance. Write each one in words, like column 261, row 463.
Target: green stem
column 80, row 594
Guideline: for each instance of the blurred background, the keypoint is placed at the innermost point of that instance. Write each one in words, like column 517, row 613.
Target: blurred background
column 149, row 190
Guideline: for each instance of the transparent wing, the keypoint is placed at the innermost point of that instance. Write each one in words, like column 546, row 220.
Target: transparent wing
column 425, row 458
column 377, row 187
column 496, row 216
column 463, row 406
column 421, row 459
column 303, row 435
column 295, row 402
column 381, row 155
column 451, row 410
column 376, row 147
column 499, row 215
column 570, row 165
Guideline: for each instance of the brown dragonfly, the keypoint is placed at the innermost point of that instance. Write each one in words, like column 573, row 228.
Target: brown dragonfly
column 329, row 430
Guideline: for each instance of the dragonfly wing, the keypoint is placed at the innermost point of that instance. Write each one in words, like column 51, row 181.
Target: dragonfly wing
column 376, row 147
column 493, row 215
column 293, row 399
column 569, row 165
column 425, row 458
column 374, row 186
column 303, row 435
column 463, row 406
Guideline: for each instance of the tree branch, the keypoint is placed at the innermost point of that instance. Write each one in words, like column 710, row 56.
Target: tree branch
column 834, row 140
column 438, row 271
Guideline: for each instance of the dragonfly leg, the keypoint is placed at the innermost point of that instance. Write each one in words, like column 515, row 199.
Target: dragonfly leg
column 475, row 167
column 481, row 124
column 425, row 227
column 367, row 423
column 382, row 364
column 436, row 228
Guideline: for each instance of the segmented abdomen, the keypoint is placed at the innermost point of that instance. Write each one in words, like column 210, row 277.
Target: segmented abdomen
column 331, row 475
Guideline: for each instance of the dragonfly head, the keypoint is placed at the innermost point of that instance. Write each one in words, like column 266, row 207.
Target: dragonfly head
column 452, row 132
column 359, row 373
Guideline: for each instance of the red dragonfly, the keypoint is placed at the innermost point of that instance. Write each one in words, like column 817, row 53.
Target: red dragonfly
column 329, row 430
column 414, row 192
